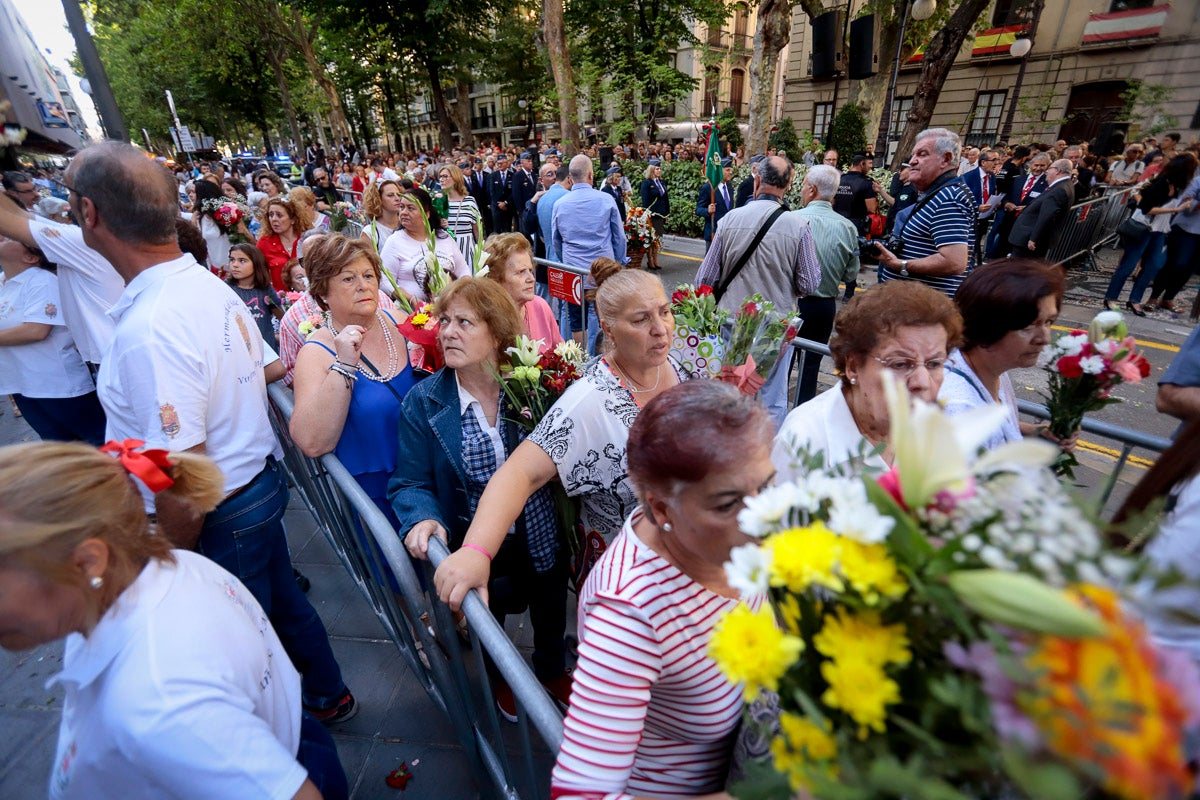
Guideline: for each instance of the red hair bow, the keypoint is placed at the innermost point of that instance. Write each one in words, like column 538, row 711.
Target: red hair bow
column 149, row 466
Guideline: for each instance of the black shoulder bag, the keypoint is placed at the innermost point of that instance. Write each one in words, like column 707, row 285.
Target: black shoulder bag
column 723, row 285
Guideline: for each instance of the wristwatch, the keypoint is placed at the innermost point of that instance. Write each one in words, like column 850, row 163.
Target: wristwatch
column 904, row 268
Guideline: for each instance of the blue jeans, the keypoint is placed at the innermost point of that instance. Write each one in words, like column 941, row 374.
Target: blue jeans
column 1151, row 251
column 319, row 756
column 64, row 419
column 1182, row 250
column 245, row 536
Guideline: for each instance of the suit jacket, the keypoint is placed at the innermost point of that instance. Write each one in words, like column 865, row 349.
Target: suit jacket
column 616, row 194
column 1039, row 220
column 524, row 187
column 974, row 179
column 477, row 187
column 745, row 192
column 723, row 207
column 653, row 199
column 500, row 190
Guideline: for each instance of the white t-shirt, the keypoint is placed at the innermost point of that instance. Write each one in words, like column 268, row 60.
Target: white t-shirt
column 823, row 424
column 52, row 367
column 88, row 284
column 407, row 261
column 183, row 689
column 185, row 368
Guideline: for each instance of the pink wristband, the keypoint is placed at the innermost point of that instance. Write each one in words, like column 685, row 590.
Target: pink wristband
column 480, row 549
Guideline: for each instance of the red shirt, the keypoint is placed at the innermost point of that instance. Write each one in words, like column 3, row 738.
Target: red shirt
column 277, row 256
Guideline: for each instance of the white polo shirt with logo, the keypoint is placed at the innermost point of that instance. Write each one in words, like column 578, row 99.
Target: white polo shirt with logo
column 185, row 368
column 50, row 368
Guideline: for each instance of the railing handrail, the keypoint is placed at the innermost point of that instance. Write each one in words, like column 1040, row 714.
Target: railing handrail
column 583, row 272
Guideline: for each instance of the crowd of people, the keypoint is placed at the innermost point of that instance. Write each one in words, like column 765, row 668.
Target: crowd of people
column 185, row 621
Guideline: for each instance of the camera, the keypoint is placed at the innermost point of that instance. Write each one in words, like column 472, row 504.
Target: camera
column 868, row 249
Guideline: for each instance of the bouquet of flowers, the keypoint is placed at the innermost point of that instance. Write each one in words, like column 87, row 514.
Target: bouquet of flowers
column 759, row 335
column 421, row 329
column 945, row 631
column 1085, row 367
column 228, row 214
column 343, row 214
column 639, row 229
column 697, row 343
column 307, row 326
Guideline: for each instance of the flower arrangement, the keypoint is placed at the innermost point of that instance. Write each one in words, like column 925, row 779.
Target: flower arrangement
column 759, row 335
column 420, row 327
column 920, row 648
column 343, row 214
column 289, row 299
column 536, row 376
column 639, row 229
column 697, row 343
column 308, row 326
column 228, row 214
column 1085, row 367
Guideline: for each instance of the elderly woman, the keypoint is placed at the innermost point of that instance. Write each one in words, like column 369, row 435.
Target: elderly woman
column 381, row 204
column 510, row 263
column 582, row 439
column 305, row 203
column 169, row 659
column 279, row 246
column 1007, row 308
column 406, row 254
column 902, row 327
column 462, row 216
column 457, row 421
column 650, row 713
column 352, row 373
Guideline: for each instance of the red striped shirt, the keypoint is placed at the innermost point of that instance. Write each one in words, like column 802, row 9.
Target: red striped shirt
column 650, row 712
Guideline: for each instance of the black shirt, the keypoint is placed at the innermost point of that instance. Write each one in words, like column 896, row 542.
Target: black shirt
column 852, row 195
column 903, row 194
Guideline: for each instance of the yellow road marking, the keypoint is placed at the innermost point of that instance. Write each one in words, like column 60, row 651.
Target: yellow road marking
column 681, row 255
column 1136, row 461
column 1170, row 348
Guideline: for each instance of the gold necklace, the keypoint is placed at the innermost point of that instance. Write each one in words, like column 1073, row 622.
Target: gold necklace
column 628, row 377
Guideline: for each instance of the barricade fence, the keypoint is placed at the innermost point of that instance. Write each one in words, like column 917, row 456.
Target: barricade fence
column 1089, row 225
column 1127, row 438
column 423, row 629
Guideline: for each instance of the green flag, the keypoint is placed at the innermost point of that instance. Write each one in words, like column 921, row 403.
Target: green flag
column 712, row 159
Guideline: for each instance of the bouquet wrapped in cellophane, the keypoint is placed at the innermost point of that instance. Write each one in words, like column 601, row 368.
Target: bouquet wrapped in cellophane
column 698, row 343
column 759, row 334
column 948, row 631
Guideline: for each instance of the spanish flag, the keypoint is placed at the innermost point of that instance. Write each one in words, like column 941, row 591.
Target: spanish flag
column 997, row 41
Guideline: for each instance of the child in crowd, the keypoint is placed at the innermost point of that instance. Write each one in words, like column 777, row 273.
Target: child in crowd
column 251, row 281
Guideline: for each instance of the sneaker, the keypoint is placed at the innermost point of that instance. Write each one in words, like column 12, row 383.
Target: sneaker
column 346, row 708
column 559, row 689
column 505, row 701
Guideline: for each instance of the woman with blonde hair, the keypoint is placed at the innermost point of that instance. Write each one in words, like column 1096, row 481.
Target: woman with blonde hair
column 169, row 659
column 582, row 439
column 463, row 219
column 280, row 245
column 306, row 205
column 381, row 204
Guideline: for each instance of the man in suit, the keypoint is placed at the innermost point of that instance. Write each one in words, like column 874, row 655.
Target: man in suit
column 612, row 187
column 477, row 187
column 500, row 194
column 1022, row 187
column 711, row 208
column 982, row 183
column 524, row 187
column 1034, row 231
column 745, row 190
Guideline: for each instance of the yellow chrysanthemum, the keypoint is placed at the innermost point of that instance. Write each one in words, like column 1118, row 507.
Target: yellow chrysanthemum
column 870, row 570
column 789, row 611
column 862, row 635
column 749, row 648
column 805, row 557
column 861, row 689
column 802, row 748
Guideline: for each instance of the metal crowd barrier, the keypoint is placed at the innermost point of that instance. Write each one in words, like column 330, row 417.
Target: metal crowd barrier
column 351, row 196
column 568, row 270
column 1127, row 438
column 1089, row 226
column 423, row 629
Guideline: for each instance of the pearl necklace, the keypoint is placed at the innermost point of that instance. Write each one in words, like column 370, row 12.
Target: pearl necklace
column 632, row 382
column 392, row 351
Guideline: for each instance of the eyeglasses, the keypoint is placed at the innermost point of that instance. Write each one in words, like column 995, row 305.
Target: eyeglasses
column 907, row 366
column 67, row 187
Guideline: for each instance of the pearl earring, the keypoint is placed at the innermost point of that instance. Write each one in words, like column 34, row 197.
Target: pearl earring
column 95, row 581
column 854, row 381
column 666, row 526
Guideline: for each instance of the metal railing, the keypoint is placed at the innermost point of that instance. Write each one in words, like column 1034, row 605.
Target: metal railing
column 423, row 630
column 1088, row 226
column 1127, row 438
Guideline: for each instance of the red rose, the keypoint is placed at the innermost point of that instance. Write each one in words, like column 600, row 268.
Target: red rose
column 678, row 297
column 750, row 309
column 1068, row 366
column 1142, row 364
column 704, row 290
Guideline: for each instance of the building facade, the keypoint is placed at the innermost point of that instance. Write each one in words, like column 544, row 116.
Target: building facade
column 1089, row 60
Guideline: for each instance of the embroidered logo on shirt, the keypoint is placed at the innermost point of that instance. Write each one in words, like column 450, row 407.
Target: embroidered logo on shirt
column 51, row 310
column 51, row 233
column 170, row 419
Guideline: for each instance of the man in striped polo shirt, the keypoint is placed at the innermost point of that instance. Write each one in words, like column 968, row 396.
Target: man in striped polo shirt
column 938, row 232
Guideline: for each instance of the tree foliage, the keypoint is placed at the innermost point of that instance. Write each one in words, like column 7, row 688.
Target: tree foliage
column 848, row 133
column 784, row 138
column 730, row 131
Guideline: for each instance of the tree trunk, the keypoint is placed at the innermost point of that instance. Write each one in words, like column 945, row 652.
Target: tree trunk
column 935, row 67
column 275, row 57
column 462, row 113
column 445, row 125
column 774, row 29
column 564, row 77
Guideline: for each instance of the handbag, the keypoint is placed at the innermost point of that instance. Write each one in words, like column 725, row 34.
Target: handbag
column 876, row 224
column 1133, row 228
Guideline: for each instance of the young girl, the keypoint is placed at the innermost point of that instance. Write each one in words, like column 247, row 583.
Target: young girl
column 251, row 280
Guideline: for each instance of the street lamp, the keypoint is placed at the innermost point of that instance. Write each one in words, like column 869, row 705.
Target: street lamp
column 531, row 120
column 921, row 10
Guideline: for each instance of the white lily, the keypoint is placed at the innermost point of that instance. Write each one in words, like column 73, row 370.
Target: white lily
column 934, row 452
column 527, row 352
column 571, row 352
